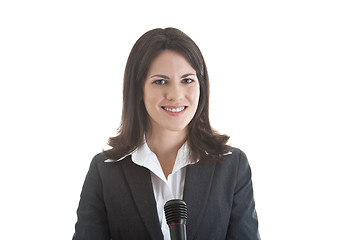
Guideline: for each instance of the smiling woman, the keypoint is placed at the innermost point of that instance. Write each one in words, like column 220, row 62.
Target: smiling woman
column 168, row 64
column 171, row 97
column 166, row 149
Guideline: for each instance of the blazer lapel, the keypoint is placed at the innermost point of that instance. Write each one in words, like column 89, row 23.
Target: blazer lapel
column 139, row 180
column 197, row 186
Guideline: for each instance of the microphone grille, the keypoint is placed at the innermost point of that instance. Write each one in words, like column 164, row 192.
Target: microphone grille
column 175, row 211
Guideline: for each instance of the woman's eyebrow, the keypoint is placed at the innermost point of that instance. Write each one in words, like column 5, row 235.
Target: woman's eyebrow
column 166, row 77
column 160, row 76
column 188, row 74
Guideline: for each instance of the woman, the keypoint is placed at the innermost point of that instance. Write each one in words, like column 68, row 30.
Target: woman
column 166, row 149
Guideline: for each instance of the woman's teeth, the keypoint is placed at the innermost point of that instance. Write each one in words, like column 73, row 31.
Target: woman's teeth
column 174, row 110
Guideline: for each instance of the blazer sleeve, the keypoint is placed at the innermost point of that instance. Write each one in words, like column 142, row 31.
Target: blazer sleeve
column 92, row 221
column 243, row 220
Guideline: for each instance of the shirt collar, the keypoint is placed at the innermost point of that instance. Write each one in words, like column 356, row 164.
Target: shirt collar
column 143, row 156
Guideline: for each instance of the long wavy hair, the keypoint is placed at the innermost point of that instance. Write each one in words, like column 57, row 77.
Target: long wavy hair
column 204, row 142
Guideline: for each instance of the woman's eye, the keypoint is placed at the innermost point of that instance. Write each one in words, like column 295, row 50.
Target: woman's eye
column 160, row 82
column 187, row 80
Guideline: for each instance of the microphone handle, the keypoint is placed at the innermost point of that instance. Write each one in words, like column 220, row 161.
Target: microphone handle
column 178, row 231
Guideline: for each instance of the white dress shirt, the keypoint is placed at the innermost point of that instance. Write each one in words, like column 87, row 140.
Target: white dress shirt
column 164, row 189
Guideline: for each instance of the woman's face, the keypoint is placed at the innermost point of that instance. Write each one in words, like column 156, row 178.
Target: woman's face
column 171, row 92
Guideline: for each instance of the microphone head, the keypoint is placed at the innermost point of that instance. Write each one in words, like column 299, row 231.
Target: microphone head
column 175, row 211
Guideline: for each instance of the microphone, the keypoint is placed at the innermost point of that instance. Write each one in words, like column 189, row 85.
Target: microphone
column 176, row 216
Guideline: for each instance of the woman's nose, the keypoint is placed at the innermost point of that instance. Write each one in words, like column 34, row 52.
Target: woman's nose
column 174, row 92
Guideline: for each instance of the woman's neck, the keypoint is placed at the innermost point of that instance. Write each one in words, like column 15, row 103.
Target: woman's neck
column 165, row 144
column 165, row 141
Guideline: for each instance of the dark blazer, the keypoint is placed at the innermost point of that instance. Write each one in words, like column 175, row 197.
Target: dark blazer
column 117, row 201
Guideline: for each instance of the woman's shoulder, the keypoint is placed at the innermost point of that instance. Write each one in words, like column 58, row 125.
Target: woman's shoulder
column 236, row 160
column 99, row 157
column 236, row 154
column 106, row 169
column 101, row 162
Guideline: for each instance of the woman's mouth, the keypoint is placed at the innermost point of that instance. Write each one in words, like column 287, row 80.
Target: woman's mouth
column 174, row 109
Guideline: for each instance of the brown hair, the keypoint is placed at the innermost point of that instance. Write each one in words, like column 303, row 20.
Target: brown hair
column 204, row 142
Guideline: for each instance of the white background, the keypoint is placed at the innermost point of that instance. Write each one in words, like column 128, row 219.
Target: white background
column 284, row 84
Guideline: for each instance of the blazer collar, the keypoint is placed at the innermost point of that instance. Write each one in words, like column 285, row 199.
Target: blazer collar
column 140, row 184
column 197, row 186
